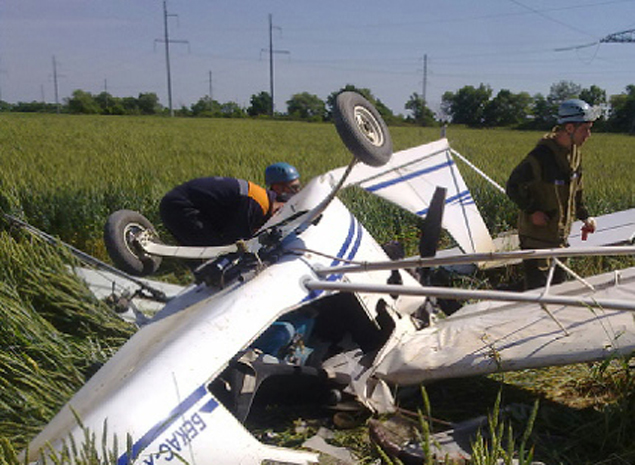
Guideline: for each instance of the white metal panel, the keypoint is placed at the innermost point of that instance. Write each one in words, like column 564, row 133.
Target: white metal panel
column 491, row 336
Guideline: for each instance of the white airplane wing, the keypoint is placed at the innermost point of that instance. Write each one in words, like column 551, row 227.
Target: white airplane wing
column 409, row 180
column 492, row 336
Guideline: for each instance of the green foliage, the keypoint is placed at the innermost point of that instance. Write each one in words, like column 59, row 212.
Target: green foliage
column 563, row 90
column 507, row 109
column 260, row 104
column 499, row 444
column 307, row 107
column 622, row 117
column 467, row 105
column 421, row 114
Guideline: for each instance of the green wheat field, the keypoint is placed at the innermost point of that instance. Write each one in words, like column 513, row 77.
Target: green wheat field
column 65, row 175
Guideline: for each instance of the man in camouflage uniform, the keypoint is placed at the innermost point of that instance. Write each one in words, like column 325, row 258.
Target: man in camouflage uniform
column 547, row 188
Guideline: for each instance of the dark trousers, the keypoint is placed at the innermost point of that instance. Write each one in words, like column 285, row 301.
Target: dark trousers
column 537, row 270
column 187, row 224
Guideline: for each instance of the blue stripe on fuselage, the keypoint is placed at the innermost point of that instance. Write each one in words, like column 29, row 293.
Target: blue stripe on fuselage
column 415, row 174
column 163, row 425
column 354, row 230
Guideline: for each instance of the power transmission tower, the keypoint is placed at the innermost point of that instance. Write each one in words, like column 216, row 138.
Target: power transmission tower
column 620, row 37
column 167, row 42
column 271, row 52
column 623, row 37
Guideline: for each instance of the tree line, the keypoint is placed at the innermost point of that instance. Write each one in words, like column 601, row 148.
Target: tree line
column 471, row 106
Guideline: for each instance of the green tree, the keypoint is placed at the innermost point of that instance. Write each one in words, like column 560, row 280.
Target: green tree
column 148, row 103
column 507, row 109
column 622, row 118
column 467, row 106
column 561, row 91
column 543, row 113
column 130, row 106
column 260, row 104
column 421, row 114
column 82, row 102
column 232, row 110
column 206, row 107
column 306, row 106
column 593, row 95
column 109, row 105
column 34, row 107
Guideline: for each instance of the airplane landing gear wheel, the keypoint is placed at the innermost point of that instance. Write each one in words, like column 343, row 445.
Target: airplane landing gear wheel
column 362, row 129
column 120, row 236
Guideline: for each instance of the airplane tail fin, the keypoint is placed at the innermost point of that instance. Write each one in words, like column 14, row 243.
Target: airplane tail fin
column 409, row 180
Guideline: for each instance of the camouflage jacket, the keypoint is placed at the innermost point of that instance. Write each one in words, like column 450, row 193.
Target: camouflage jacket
column 548, row 179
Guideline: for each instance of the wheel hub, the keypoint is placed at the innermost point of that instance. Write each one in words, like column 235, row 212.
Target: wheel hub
column 369, row 126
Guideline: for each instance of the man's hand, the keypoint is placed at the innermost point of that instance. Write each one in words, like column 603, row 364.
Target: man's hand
column 539, row 218
column 589, row 226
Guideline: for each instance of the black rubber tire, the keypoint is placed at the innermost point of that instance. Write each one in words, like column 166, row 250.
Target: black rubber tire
column 362, row 129
column 119, row 228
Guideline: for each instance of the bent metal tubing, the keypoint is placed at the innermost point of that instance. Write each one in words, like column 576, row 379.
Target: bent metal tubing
column 465, row 294
column 417, row 262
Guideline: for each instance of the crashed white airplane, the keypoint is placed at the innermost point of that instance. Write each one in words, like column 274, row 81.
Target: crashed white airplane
column 314, row 296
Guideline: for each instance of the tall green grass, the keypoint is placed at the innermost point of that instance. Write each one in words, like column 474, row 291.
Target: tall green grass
column 52, row 331
column 66, row 173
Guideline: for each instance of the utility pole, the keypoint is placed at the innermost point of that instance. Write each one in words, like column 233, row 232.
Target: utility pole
column 425, row 77
column 167, row 41
column 2, row 71
column 271, row 52
column 57, row 100
column 211, row 95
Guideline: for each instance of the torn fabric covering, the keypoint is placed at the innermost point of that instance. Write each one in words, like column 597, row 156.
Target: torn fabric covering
column 409, row 180
column 495, row 336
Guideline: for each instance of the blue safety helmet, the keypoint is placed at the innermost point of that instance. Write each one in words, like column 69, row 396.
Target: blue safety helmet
column 280, row 172
column 577, row 111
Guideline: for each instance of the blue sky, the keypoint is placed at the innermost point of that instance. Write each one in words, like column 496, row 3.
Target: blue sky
column 506, row 44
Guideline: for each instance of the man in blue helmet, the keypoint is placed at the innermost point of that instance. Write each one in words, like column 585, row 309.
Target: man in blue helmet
column 283, row 179
column 216, row 211
column 547, row 188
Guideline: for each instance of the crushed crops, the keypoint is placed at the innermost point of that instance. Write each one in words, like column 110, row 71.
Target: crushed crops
column 52, row 332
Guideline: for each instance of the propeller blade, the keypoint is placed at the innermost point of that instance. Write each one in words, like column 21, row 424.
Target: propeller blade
column 431, row 228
